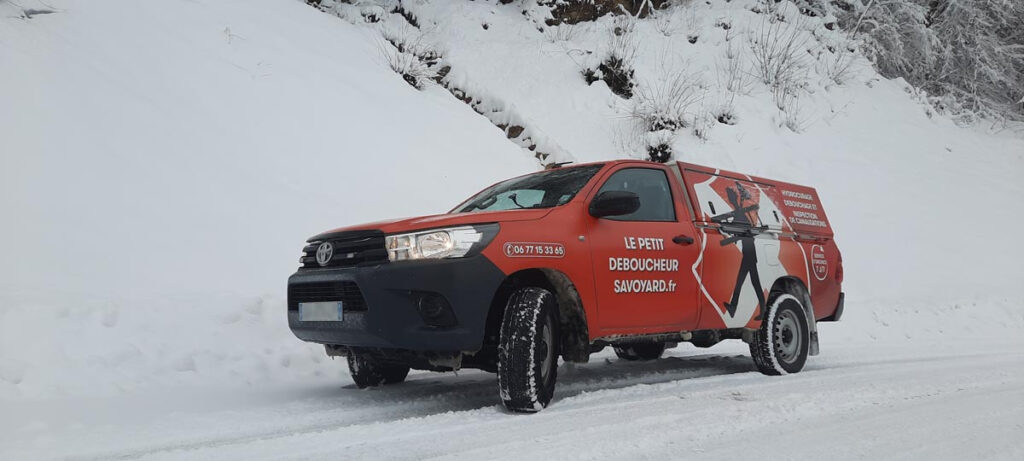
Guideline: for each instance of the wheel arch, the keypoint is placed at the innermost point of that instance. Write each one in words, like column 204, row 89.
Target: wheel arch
column 574, row 334
column 796, row 287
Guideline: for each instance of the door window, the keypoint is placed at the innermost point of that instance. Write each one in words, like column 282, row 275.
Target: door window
column 653, row 189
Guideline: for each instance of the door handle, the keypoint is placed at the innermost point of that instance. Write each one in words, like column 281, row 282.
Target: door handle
column 682, row 239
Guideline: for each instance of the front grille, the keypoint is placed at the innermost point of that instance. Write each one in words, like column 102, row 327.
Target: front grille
column 351, row 248
column 346, row 292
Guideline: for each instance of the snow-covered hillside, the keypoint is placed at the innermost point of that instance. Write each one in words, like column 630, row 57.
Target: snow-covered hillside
column 161, row 164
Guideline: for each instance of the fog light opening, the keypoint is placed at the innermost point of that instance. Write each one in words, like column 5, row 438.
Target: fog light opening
column 435, row 310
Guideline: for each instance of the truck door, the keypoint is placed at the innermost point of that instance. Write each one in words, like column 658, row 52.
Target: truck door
column 643, row 261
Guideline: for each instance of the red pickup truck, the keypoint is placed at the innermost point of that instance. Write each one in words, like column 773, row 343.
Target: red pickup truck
column 563, row 262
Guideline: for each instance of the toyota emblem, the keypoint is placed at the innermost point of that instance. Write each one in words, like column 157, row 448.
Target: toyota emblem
column 324, row 253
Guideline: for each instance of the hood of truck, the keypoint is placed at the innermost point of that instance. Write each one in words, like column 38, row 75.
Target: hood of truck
column 444, row 220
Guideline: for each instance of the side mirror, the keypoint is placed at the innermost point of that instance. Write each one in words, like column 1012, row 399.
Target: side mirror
column 614, row 203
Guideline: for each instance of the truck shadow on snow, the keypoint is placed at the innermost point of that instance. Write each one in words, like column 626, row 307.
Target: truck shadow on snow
column 425, row 394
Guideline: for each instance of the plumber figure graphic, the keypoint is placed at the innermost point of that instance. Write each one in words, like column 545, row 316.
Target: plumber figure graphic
column 739, row 217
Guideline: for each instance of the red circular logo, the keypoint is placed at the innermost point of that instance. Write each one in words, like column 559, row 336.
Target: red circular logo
column 819, row 264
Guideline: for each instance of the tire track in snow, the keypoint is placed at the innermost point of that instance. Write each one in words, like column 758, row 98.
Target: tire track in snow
column 603, row 395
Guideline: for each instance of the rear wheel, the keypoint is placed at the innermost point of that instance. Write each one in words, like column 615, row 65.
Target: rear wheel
column 781, row 345
column 640, row 351
column 370, row 371
column 528, row 351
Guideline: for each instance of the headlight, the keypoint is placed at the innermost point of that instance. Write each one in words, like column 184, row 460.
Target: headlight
column 454, row 242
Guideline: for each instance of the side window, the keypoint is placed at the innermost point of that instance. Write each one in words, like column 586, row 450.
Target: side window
column 651, row 186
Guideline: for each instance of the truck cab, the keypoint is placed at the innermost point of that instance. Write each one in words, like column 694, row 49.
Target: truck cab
column 561, row 263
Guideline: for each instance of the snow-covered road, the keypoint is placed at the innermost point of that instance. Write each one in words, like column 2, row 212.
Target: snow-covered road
column 870, row 401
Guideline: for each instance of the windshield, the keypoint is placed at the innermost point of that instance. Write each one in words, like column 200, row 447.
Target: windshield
column 539, row 190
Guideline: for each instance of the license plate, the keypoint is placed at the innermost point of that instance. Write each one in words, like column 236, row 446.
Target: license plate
column 329, row 311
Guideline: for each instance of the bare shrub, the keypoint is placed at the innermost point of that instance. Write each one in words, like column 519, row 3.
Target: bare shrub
column 629, row 140
column 836, row 63
column 664, row 104
column 787, row 100
column 731, row 75
column 667, row 21
column 779, row 49
column 703, row 124
column 564, row 32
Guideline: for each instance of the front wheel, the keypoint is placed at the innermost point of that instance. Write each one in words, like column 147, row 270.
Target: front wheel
column 528, row 351
column 781, row 345
column 370, row 371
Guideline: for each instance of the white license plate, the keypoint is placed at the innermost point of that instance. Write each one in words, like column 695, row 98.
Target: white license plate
column 329, row 311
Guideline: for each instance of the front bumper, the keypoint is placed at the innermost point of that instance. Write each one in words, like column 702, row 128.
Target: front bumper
column 392, row 295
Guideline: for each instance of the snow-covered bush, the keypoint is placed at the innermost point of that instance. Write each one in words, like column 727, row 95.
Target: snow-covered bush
column 574, row 11
column 726, row 115
column 404, row 62
column 410, row 53
column 662, row 108
column 659, row 145
column 616, row 70
column 981, row 62
column 897, row 38
column 967, row 54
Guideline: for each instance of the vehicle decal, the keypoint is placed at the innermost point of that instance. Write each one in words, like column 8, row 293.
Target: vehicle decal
column 819, row 262
column 643, row 264
column 750, row 223
column 786, row 224
column 533, row 250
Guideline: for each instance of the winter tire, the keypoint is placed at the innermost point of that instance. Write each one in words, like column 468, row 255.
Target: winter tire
column 370, row 371
column 640, row 351
column 781, row 344
column 528, row 351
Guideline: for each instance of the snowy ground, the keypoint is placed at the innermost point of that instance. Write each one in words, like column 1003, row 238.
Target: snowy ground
column 960, row 399
column 162, row 162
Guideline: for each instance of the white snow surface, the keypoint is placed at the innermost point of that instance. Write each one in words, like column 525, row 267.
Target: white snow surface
column 161, row 164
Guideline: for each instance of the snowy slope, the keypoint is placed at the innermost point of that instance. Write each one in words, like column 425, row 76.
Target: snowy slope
column 161, row 164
